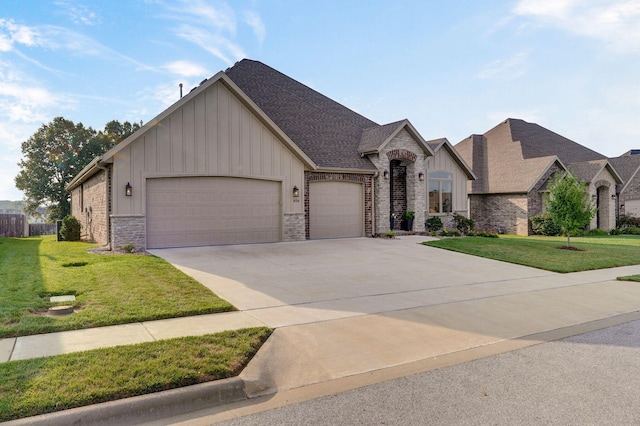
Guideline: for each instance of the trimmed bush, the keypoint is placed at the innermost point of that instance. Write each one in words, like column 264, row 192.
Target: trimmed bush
column 433, row 224
column 543, row 224
column 70, row 230
column 625, row 221
column 463, row 224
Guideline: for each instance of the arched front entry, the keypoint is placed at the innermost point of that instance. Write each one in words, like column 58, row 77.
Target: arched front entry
column 402, row 185
column 603, row 198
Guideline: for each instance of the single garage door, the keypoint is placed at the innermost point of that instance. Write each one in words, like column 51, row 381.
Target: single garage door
column 200, row 211
column 336, row 210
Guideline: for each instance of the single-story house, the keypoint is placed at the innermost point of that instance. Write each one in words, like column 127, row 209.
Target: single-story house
column 253, row 156
column 513, row 163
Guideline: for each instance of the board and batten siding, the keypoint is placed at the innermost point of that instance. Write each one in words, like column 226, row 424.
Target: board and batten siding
column 214, row 134
column 442, row 161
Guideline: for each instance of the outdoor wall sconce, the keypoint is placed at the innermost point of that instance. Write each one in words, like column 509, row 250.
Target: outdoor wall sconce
column 613, row 196
column 127, row 190
column 385, row 174
column 421, row 176
column 296, row 192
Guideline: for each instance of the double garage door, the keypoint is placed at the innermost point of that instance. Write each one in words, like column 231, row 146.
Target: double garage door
column 201, row 211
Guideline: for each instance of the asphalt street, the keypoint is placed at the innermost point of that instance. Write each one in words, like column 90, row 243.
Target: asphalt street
column 592, row 378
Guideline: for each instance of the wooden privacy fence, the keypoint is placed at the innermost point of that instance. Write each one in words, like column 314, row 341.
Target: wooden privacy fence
column 42, row 229
column 14, row 225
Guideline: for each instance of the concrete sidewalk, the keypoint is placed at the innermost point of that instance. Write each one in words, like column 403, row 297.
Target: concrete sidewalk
column 41, row 345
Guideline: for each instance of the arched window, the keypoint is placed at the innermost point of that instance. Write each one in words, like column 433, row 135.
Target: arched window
column 440, row 192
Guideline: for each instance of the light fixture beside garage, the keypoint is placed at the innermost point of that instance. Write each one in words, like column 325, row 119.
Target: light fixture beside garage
column 421, row 176
column 127, row 190
column 296, row 193
column 385, row 174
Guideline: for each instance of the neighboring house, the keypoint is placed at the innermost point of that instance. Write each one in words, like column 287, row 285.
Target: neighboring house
column 628, row 167
column 253, row 156
column 513, row 163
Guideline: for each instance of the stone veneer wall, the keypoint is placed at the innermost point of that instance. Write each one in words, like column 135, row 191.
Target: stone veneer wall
column 128, row 229
column 535, row 199
column 500, row 211
column 403, row 147
column 89, row 206
column 366, row 180
column 294, row 227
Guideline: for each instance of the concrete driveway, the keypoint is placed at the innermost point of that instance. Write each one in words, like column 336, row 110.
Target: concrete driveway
column 351, row 306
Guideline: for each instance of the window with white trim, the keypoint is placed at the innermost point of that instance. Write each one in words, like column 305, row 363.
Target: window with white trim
column 440, row 192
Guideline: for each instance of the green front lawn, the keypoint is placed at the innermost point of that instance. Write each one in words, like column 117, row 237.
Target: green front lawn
column 543, row 252
column 109, row 289
column 44, row 385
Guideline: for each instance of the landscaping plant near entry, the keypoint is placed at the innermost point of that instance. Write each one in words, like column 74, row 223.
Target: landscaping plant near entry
column 109, row 289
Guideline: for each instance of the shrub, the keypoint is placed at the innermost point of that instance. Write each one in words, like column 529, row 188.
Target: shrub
column 70, row 230
column 463, row 224
column 129, row 248
column 616, row 231
column 543, row 224
column 625, row 221
column 453, row 233
column 487, row 234
column 631, row 230
column 433, row 224
column 597, row 232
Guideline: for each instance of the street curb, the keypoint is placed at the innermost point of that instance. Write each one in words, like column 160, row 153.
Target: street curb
column 145, row 408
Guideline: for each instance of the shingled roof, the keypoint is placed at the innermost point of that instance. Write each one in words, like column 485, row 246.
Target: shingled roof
column 328, row 132
column 512, row 156
column 627, row 166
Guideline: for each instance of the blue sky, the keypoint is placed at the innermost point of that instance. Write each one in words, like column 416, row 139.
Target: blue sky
column 451, row 68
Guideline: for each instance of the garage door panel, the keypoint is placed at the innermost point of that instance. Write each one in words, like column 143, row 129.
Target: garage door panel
column 632, row 208
column 335, row 210
column 200, row 211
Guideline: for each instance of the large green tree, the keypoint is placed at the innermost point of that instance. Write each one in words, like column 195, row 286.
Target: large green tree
column 569, row 203
column 54, row 154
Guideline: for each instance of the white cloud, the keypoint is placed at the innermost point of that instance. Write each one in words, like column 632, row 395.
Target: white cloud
column 186, row 69
column 255, row 22
column 616, row 23
column 79, row 14
column 505, row 69
column 12, row 33
column 218, row 45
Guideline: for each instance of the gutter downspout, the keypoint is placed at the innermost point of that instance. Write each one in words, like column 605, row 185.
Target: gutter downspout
column 373, row 202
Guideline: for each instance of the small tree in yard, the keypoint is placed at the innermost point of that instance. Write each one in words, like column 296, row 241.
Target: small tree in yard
column 569, row 203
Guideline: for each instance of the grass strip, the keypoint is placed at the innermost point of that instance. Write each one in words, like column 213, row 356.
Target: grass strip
column 543, row 252
column 45, row 385
column 109, row 289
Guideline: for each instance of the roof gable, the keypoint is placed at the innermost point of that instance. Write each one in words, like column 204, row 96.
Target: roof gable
column 374, row 139
column 443, row 143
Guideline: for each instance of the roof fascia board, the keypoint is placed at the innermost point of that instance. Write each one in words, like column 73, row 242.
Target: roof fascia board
column 343, row 170
column 87, row 171
column 613, row 172
column 414, row 133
